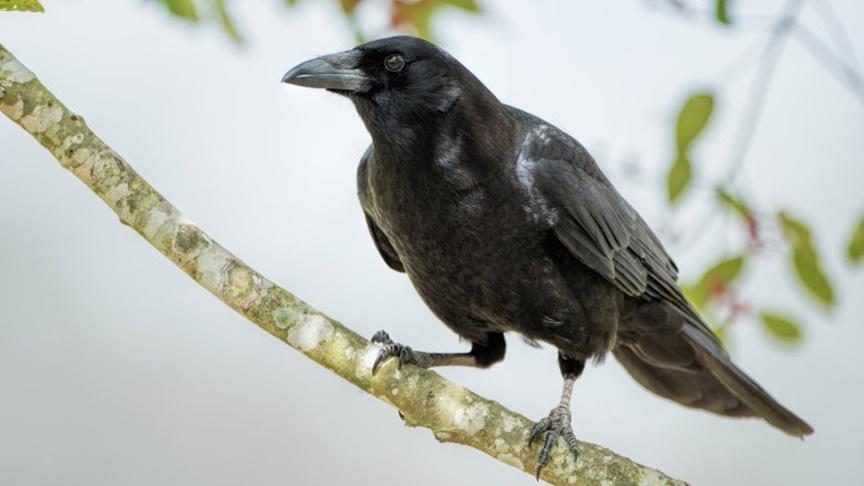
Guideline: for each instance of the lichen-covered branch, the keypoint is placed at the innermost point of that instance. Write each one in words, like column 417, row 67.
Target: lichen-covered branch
column 425, row 399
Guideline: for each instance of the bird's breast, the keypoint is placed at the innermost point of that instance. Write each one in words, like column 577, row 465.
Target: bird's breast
column 453, row 241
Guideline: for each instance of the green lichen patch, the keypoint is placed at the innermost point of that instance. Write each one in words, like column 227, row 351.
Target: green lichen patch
column 13, row 110
column 41, row 118
column 285, row 317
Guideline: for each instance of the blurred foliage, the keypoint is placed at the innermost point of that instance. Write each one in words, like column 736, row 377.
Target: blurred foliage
column 780, row 327
column 417, row 15
column 213, row 10
column 721, row 12
column 21, row 5
column 743, row 211
column 734, row 203
column 226, row 21
column 185, row 9
column 680, row 175
column 855, row 249
column 715, row 282
column 716, row 293
column 412, row 16
column 692, row 120
column 805, row 259
column 713, row 293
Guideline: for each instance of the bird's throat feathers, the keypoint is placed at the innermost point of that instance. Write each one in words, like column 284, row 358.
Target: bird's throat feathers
column 473, row 120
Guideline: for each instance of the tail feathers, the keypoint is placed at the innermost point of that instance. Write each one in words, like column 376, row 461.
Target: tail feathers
column 697, row 389
column 742, row 386
column 692, row 369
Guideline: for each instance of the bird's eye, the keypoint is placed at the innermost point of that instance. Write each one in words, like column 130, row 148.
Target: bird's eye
column 394, row 63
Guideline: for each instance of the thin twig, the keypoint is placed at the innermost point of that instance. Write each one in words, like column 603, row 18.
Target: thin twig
column 837, row 31
column 840, row 69
column 756, row 98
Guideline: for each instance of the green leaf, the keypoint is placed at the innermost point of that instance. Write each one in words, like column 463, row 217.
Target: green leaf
column 418, row 13
column 348, row 6
column 805, row 260
column 796, row 232
column 679, row 177
column 693, row 118
column 739, row 207
column 780, row 327
column 469, row 5
column 725, row 271
column 185, row 9
column 811, row 275
column 715, row 281
column 21, row 6
column 734, row 203
column 226, row 21
column 855, row 250
column 721, row 12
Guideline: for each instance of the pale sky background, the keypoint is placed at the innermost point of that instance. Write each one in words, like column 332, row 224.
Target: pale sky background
column 115, row 368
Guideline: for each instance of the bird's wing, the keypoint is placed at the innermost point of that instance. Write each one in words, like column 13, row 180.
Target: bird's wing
column 385, row 248
column 388, row 253
column 594, row 221
column 605, row 233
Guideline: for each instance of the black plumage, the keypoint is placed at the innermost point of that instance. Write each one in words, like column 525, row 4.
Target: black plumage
column 504, row 223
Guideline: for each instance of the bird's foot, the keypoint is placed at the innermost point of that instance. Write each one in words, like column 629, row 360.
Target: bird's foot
column 556, row 424
column 391, row 349
column 381, row 337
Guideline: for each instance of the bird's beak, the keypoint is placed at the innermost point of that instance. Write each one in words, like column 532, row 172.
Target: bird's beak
column 334, row 71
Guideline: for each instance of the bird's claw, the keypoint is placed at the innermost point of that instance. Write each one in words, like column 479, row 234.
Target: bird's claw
column 391, row 349
column 556, row 424
column 381, row 337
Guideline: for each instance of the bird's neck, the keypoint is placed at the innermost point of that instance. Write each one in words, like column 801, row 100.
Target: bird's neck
column 475, row 138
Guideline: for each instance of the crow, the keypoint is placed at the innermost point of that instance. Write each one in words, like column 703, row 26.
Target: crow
column 504, row 223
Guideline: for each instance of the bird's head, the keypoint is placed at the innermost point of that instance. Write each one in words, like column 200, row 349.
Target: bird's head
column 394, row 82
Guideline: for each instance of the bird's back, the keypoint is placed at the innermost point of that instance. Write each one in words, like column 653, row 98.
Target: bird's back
column 661, row 340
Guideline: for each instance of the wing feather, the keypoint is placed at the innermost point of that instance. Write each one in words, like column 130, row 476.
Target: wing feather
column 597, row 224
column 385, row 248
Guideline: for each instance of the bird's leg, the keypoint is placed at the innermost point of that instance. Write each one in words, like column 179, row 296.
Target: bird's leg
column 558, row 421
column 482, row 354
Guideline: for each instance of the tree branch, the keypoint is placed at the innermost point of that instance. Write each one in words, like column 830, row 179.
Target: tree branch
column 425, row 399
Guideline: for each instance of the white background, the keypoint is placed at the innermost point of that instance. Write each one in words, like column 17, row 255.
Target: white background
column 115, row 368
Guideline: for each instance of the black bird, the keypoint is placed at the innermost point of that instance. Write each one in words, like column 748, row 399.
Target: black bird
column 505, row 223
